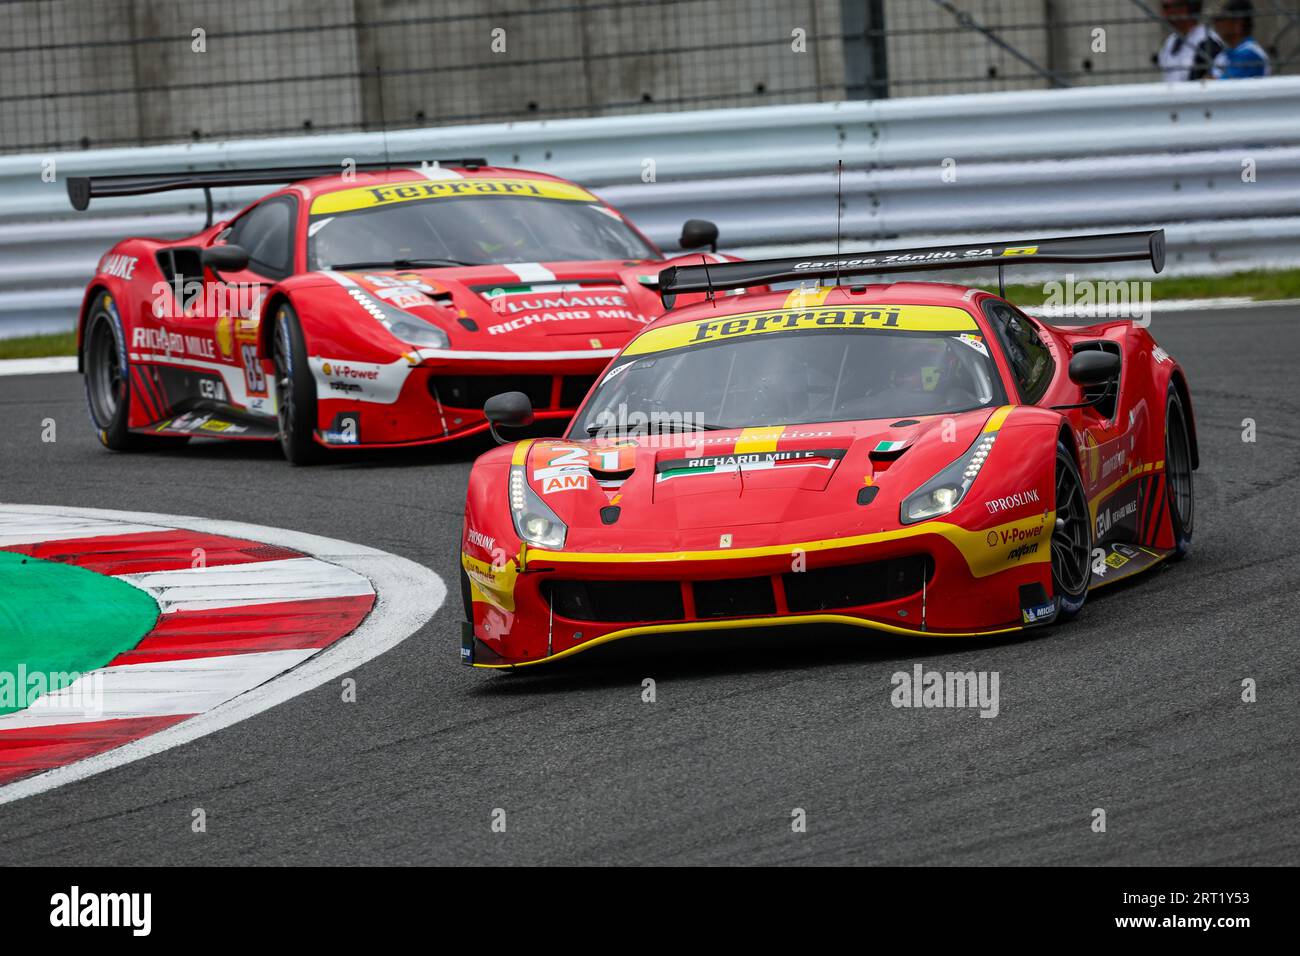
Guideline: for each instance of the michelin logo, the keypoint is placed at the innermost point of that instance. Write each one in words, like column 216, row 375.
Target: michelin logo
column 1039, row 612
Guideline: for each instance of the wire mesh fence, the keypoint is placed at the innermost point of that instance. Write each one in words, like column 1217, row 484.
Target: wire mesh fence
column 973, row 46
column 94, row 73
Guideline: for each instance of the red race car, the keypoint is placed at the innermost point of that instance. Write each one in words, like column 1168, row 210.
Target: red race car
column 377, row 307
column 914, row 457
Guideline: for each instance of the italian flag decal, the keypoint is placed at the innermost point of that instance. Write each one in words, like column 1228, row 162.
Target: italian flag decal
column 112, row 630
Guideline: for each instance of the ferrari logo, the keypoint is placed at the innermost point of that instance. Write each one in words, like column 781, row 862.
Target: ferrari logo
column 224, row 333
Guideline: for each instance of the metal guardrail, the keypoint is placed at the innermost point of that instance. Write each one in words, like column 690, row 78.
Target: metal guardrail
column 1025, row 163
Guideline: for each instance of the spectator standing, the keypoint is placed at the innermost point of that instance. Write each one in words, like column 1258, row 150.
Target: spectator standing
column 1242, row 56
column 1188, row 53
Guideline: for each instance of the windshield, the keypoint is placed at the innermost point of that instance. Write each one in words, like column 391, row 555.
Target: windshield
column 792, row 378
column 474, row 230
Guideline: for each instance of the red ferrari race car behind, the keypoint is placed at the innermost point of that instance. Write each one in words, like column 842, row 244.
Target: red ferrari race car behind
column 375, row 308
column 914, row 457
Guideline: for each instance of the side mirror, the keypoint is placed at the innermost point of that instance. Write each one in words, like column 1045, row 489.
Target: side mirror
column 224, row 258
column 1094, row 367
column 508, row 410
column 699, row 232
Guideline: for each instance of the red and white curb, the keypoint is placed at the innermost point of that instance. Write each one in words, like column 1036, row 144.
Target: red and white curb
column 273, row 613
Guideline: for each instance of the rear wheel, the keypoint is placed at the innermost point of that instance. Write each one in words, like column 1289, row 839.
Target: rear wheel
column 1178, row 474
column 295, row 390
column 1071, row 536
column 104, row 363
column 107, row 373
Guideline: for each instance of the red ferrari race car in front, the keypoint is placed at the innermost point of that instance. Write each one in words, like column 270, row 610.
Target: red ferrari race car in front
column 378, row 307
column 914, row 457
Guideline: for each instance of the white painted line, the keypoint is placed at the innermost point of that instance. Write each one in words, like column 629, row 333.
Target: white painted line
column 38, row 366
column 1161, row 305
column 407, row 596
column 155, row 689
column 62, row 527
column 42, row 366
column 246, row 585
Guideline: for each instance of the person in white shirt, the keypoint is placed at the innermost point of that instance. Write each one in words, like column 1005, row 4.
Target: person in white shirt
column 1188, row 53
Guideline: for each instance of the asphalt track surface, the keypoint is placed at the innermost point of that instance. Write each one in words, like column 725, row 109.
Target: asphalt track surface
column 1135, row 708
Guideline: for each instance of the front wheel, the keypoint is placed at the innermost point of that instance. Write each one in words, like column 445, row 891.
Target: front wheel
column 466, row 595
column 1071, row 536
column 1178, row 474
column 295, row 389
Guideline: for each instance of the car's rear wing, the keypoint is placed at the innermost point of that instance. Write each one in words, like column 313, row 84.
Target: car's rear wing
column 82, row 189
column 1115, row 247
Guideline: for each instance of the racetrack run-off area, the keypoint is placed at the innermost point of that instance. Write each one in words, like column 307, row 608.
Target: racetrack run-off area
column 127, row 633
column 59, row 618
column 1136, row 708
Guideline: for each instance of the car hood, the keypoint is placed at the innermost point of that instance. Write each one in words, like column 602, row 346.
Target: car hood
column 554, row 306
column 670, row 490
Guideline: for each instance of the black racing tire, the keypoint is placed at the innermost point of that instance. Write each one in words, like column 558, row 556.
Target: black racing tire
column 106, row 371
column 107, row 374
column 295, row 389
column 466, row 595
column 1071, row 540
column 1179, row 491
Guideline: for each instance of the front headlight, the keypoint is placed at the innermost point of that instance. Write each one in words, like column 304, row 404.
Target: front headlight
column 409, row 328
column 945, row 491
column 420, row 333
column 534, row 521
